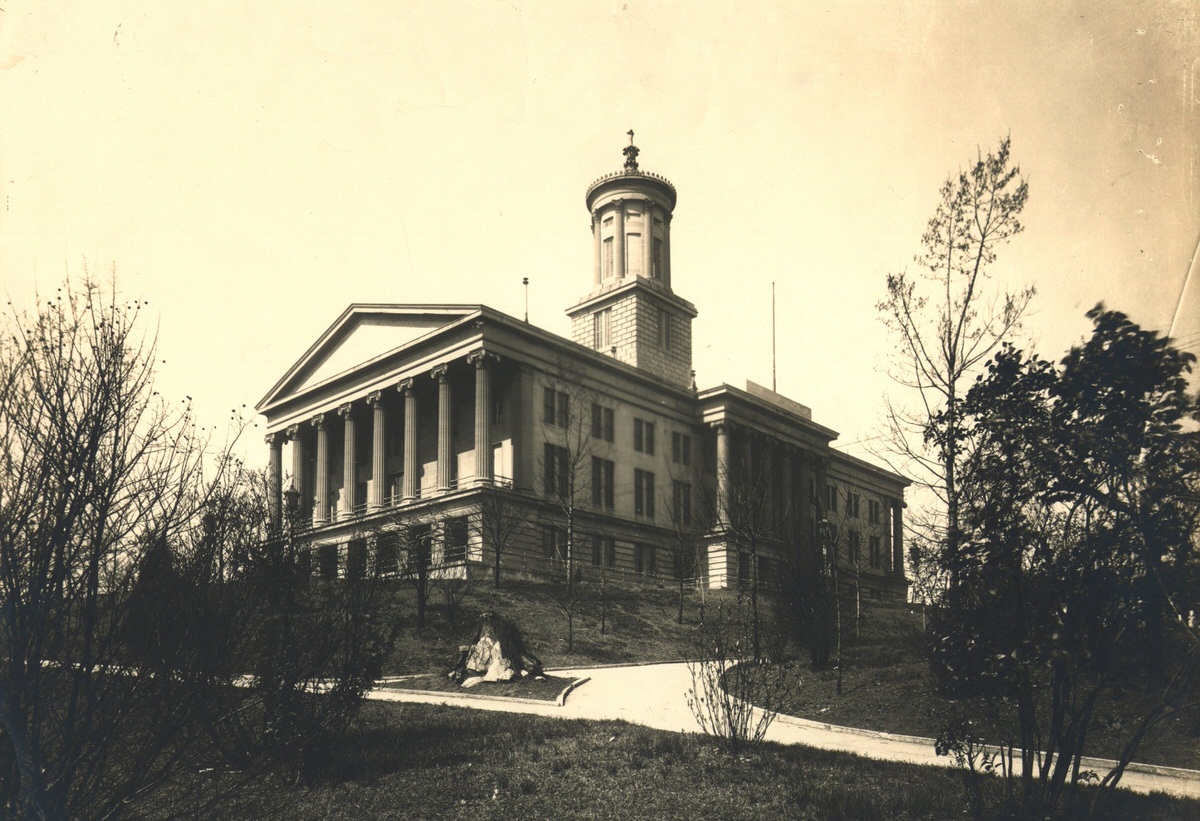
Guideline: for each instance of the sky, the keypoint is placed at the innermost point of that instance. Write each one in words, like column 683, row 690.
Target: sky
column 250, row 169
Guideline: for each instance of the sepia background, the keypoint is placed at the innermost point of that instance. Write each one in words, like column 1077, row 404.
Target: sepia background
column 250, row 169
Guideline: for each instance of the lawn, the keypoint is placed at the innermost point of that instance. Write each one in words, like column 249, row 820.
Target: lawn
column 640, row 625
column 887, row 685
column 429, row 762
column 886, row 681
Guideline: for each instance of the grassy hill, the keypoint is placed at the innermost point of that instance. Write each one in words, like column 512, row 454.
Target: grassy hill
column 886, row 682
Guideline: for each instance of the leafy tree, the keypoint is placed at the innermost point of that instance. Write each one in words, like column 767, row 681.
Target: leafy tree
column 1076, row 568
column 948, row 322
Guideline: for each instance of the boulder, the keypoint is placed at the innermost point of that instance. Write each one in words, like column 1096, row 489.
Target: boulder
column 498, row 653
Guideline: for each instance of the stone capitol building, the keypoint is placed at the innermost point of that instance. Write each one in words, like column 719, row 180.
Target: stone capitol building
column 427, row 418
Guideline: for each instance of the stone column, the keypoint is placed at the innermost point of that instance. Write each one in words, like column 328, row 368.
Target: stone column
column 898, row 539
column 378, row 452
column 321, row 507
column 409, row 491
column 275, row 478
column 666, row 256
column 597, row 250
column 444, row 451
column 722, row 475
column 619, row 239
column 297, row 459
column 349, row 461
column 483, row 416
column 648, row 239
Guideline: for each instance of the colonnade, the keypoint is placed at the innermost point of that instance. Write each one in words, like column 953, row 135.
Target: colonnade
column 349, row 504
column 619, row 272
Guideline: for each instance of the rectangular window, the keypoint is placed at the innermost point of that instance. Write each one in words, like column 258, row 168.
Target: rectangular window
column 602, row 329
column 681, row 449
column 681, row 503
column 602, row 422
column 602, row 482
column 608, row 258
column 643, row 493
column 643, row 436
column 855, row 547
column 556, row 470
column 456, row 538
column 644, row 560
column 356, row 559
column 387, row 551
column 554, row 543
column 656, row 271
column 555, row 405
column 603, row 550
column 852, row 504
column 873, row 511
column 831, row 498
column 876, row 555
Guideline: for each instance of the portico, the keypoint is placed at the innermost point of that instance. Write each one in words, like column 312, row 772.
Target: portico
column 426, row 434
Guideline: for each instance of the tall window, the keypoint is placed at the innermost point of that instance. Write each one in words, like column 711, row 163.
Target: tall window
column 608, row 258
column 602, row 329
column 664, row 329
column 681, row 448
column 602, row 482
column 555, row 407
column 873, row 511
column 681, row 503
column 556, row 470
column 831, row 498
column 602, row 422
column 644, row 559
column 855, row 546
column 643, row 436
column 455, row 543
column 604, row 550
column 554, row 543
column 852, row 504
column 643, row 493
column 656, row 271
column 876, row 556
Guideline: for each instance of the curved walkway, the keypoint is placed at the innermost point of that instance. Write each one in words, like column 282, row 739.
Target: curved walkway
column 655, row 695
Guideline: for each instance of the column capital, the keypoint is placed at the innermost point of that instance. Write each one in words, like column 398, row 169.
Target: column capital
column 482, row 358
column 439, row 372
column 293, row 432
column 318, row 421
column 619, row 204
column 274, row 438
column 406, row 385
column 344, row 409
column 375, row 398
column 649, row 205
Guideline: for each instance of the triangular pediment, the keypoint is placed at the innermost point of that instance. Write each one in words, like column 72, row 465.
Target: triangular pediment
column 363, row 333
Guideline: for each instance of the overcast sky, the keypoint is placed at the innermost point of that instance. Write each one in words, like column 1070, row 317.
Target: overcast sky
column 252, row 168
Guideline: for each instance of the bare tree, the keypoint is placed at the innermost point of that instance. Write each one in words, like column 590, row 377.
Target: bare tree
column 98, row 476
column 567, row 480
column 948, row 322
column 682, row 502
column 502, row 516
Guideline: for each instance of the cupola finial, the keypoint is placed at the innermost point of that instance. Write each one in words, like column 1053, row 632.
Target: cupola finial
column 631, row 152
